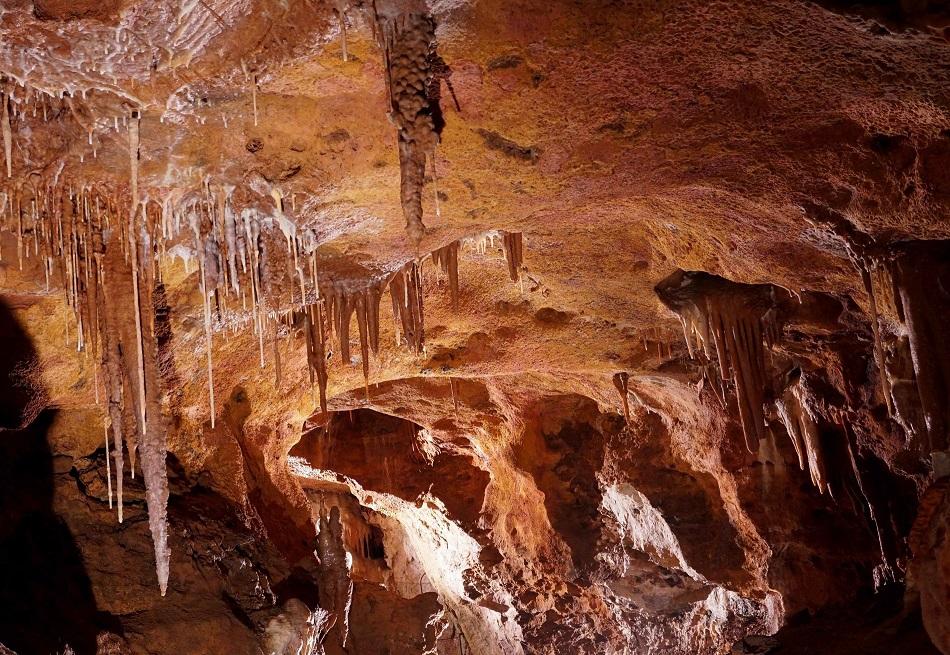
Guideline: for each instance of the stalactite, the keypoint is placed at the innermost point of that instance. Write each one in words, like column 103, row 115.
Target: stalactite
column 7, row 133
column 341, row 14
column 919, row 271
column 276, row 356
column 114, row 385
column 878, row 346
column 687, row 337
column 736, row 322
column 234, row 251
column 405, row 287
column 19, row 234
column 340, row 308
column 206, row 290
column 316, row 353
column 455, row 398
column 447, row 259
column 801, row 424
column 514, row 253
column 105, row 429
column 343, row 300
column 71, row 233
column 153, row 439
column 408, row 44
column 883, row 573
column 435, row 186
column 361, row 321
column 134, row 160
column 254, row 96
column 739, row 349
column 789, row 412
column 621, row 382
column 120, row 334
column 140, row 342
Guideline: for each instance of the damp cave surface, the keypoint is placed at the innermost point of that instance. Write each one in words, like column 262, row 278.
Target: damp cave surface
column 474, row 327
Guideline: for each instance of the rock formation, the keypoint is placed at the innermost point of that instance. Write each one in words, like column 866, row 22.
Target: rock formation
column 664, row 366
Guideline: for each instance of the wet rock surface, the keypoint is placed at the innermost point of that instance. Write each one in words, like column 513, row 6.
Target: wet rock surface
column 474, row 326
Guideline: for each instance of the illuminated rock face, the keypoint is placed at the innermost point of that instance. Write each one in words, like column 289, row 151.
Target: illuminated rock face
column 470, row 326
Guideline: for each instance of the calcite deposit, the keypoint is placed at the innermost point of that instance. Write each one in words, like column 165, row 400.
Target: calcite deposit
column 474, row 327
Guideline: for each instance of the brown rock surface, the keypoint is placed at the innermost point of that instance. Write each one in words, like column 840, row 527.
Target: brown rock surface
column 470, row 326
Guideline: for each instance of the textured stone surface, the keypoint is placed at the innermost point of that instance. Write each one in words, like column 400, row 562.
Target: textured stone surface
column 487, row 494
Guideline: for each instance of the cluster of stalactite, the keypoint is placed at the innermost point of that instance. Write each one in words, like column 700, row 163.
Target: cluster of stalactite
column 414, row 72
column 732, row 330
column 337, row 302
column 406, row 291
column 908, row 289
column 98, row 251
column 729, row 328
column 19, row 102
column 106, row 248
column 24, row 107
column 796, row 408
column 447, row 259
column 910, row 281
column 824, row 442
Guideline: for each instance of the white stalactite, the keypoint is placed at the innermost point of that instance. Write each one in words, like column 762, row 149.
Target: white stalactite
column 134, row 160
column 105, row 429
column 7, row 134
column 206, row 306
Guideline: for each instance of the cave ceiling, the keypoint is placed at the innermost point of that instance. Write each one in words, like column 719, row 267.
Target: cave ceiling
column 476, row 326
